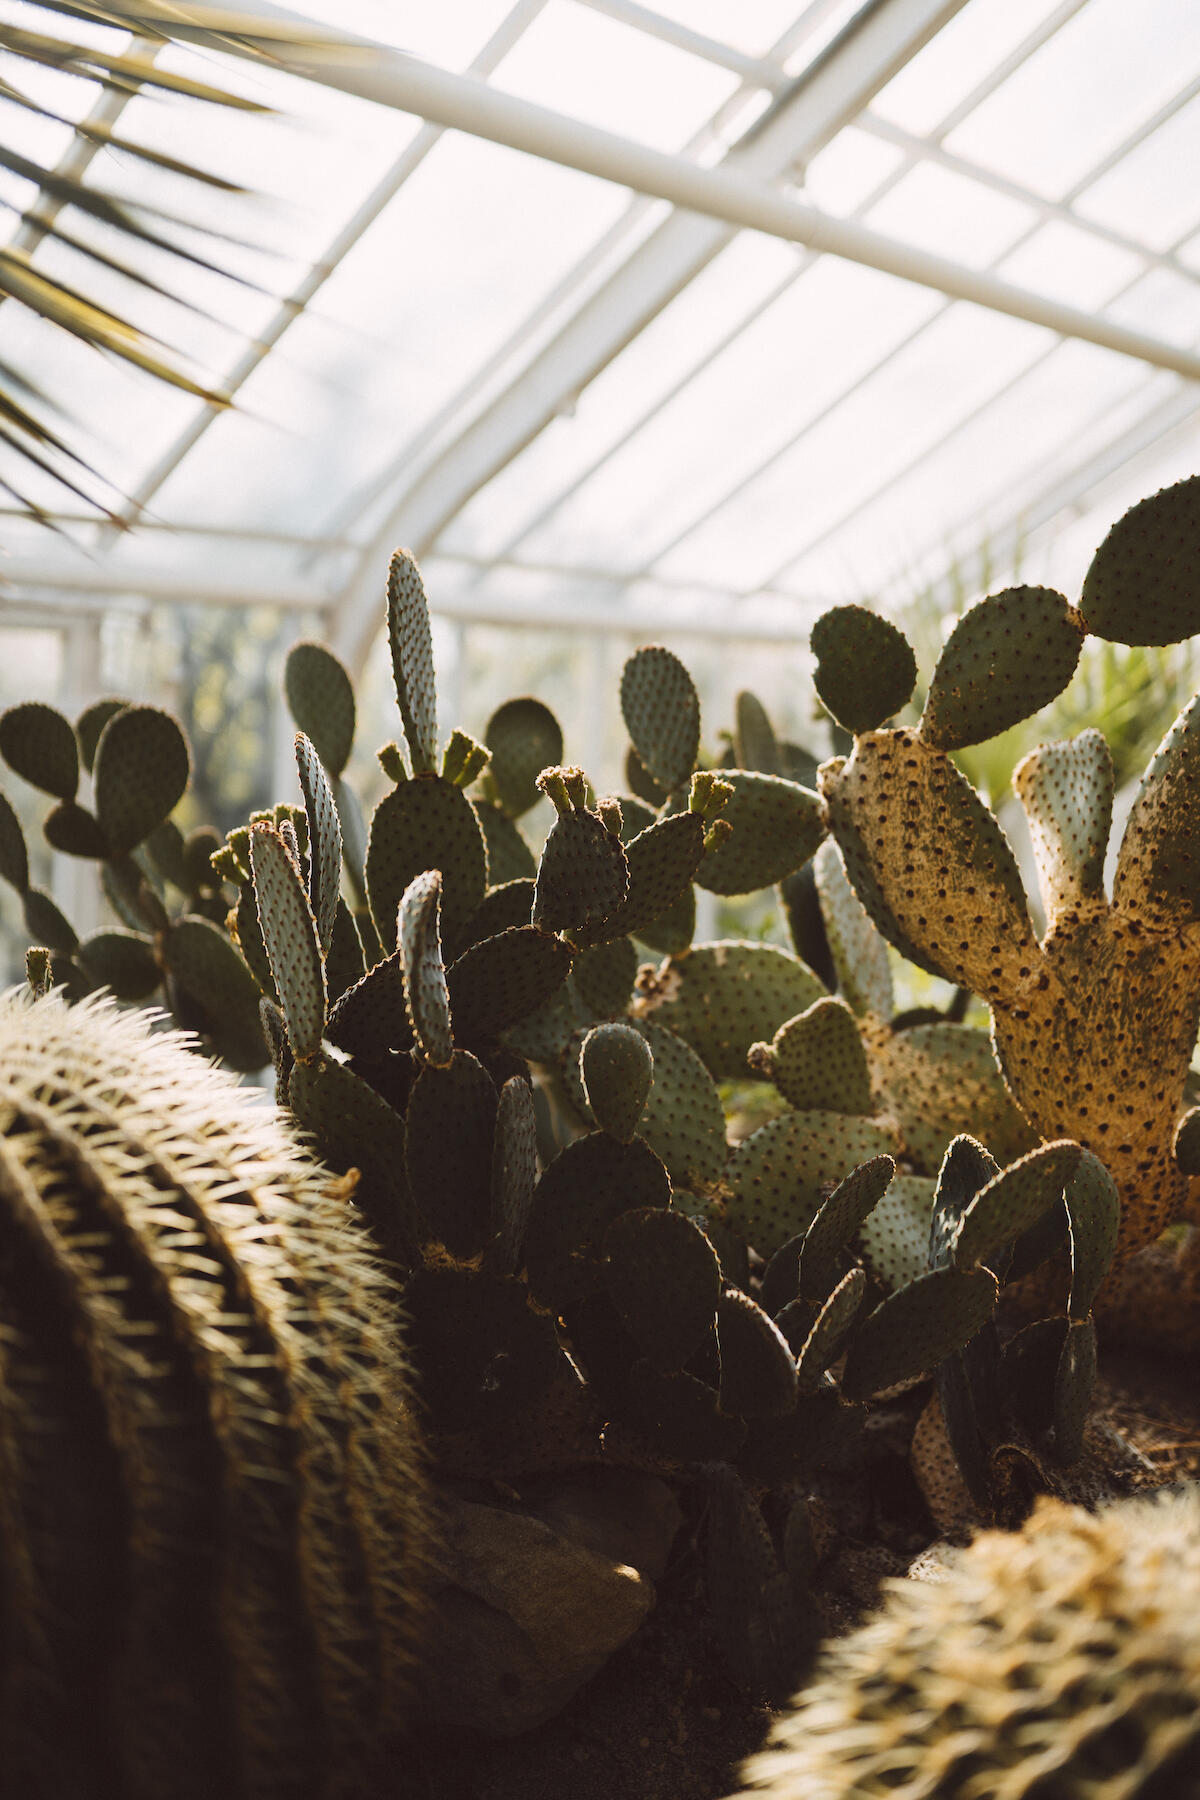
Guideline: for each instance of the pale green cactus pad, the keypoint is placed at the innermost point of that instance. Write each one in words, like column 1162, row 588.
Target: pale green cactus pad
column 722, row 998
column 321, row 701
column 411, row 644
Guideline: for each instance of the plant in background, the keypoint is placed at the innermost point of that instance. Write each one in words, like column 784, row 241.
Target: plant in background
column 211, row 1495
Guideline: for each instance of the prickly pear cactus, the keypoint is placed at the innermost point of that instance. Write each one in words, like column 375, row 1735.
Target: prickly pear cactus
column 1061, row 1660
column 210, row 1487
column 1095, row 1021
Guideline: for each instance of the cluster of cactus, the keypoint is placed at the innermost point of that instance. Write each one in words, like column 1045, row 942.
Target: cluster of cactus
column 211, row 1498
column 1060, row 1661
column 139, row 763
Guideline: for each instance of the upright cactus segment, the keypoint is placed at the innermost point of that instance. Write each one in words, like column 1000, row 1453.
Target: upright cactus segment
column 1062, row 1659
column 209, row 1481
column 1095, row 1022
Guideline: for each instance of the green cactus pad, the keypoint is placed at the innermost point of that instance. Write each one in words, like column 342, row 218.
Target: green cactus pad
column 818, row 1063
column 1043, row 1239
column 940, row 1080
column 275, row 1034
column 197, row 849
column 836, row 1224
column 860, row 957
column 754, row 742
column 1094, row 1212
column 967, row 1168
column 1142, row 585
column 910, row 1332
column 90, row 724
column 210, row 970
column 425, row 824
column 683, row 1123
column 545, row 1036
column 355, row 1128
column 1013, row 1201
column 411, row 644
column 371, row 1019
column 721, row 998
column 776, row 1174
column 426, row 993
column 502, row 979
column 662, row 862
column 640, row 782
column 865, row 667
column 603, row 978
column 1007, row 657
column 583, row 876
column 320, row 698
column 823, row 1343
column 661, row 710
column 324, row 838
column 675, row 1417
column 449, row 1132
column 142, row 768
column 672, row 932
column 1186, row 1146
column 125, row 962
column 664, row 1280
column 290, row 935
column 514, row 1176
column 1067, row 792
column 588, row 1185
column 40, row 745
column 483, row 1352
column 1158, row 866
column 894, row 1239
column 776, row 826
column 500, row 909
column 780, row 1452
column 758, row 1370
column 75, row 831
column 899, row 806
column 509, row 857
column 524, row 737
column 354, row 838
column 806, row 927
column 14, row 857
column 618, row 1070
column 1074, row 1380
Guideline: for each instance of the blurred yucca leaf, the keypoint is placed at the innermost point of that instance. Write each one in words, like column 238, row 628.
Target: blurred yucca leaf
column 122, row 69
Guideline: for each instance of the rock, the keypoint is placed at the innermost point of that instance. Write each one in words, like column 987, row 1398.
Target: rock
column 529, row 1601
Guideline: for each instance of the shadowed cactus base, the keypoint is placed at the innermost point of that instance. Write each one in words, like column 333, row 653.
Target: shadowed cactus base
column 1062, row 1662
column 211, row 1509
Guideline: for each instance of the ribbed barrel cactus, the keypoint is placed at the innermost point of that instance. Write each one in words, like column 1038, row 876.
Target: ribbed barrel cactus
column 211, row 1496
column 1061, row 1663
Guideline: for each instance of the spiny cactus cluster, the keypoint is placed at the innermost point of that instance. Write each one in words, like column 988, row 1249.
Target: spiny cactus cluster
column 211, row 1502
column 138, row 761
column 1062, row 1662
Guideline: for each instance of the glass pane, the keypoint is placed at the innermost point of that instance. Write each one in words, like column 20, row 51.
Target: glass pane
column 851, row 167
column 950, row 215
column 955, row 62
column 1068, row 264
column 1143, row 195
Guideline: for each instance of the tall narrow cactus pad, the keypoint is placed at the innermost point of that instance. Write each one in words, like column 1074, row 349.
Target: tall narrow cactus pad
column 1067, row 792
column 662, row 715
column 321, row 701
column 411, row 645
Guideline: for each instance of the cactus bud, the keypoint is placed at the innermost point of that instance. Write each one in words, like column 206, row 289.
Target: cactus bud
column 718, row 833
column 565, row 787
column 610, row 812
column 38, row 970
column 390, row 758
column 709, row 794
column 462, row 759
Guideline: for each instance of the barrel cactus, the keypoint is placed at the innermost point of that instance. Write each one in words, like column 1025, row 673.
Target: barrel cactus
column 1061, row 1662
column 211, row 1512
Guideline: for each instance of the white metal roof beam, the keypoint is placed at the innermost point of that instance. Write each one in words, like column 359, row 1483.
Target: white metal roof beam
column 880, row 41
column 757, row 71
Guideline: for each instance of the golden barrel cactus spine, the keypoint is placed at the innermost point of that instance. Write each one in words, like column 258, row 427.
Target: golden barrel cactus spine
column 211, row 1512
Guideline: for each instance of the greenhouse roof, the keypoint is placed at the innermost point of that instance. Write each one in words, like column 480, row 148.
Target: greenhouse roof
column 639, row 316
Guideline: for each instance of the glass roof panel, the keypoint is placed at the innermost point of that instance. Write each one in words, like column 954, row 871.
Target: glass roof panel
column 1143, row 194
column 850, row 168
column 1051, row 122
column 752, row 26
column 951, row 216
column 1071, row 265
column 953, row 64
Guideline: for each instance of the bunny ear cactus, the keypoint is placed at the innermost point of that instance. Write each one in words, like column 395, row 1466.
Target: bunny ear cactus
column 210, row 1485
column 139, row 764
column 1093, row 1024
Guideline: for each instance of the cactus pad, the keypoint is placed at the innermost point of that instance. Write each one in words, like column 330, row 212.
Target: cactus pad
column 662, row 715
column 754, row 743
column 1012, row 1202
column 583, row 876
column 449, row 1132
column 1141, row 587
column 125, row 962
column 721, row 998
column 324, row 839
column 411, row 646
column 484, row 1353
column 357, row 1129
column 426, row 993
column 865, row 667
column 940, row 1080
column 14, row 857
column 817, row 1061
column 776, row 1174
column 588, row 1185
column 290, row 935
column 509, row 857
column 1067, row 792
column 684, row 1122
column 142, row 768
column 514, row 1176
column 836, row 1224
column 824, row 1341
column 321, row 701
column 1094, row 1212
column 664, row 1280
column 603, row 977
column 618, row 1069
column 775, row 826
column 524, row 738
column 40, row 745
column 894, row 1239
column 758, row 1370
column 915, row 1328
column 1007, row 657
column 501, row 979
column 90, row 724
column 1158, row 865
column 662, row 861
column 860, row 956
column 425, row 824
column 209, row 969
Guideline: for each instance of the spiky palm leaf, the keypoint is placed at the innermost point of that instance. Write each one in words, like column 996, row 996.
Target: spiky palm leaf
column 122, row 69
